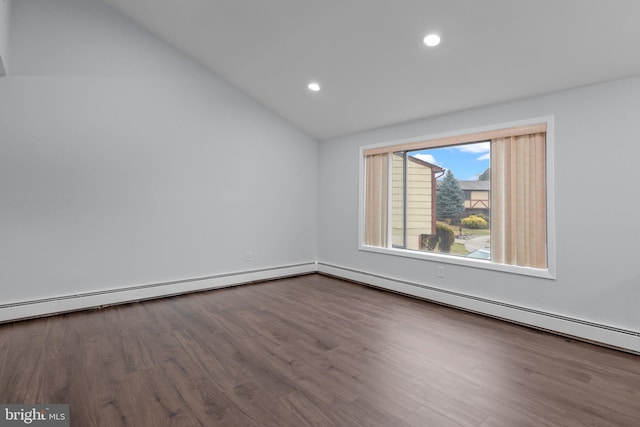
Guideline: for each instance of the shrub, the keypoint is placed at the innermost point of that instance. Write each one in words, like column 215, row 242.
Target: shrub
column 446, row 237
column 483, row 216
column 474, row 221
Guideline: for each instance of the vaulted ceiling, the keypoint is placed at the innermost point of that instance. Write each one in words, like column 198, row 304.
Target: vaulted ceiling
column 369, row 58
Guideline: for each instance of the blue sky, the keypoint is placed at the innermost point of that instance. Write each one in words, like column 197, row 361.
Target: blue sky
column 465, row 161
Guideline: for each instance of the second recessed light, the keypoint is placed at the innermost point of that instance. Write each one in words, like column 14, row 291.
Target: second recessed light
column 432, row 40
column 313, row 86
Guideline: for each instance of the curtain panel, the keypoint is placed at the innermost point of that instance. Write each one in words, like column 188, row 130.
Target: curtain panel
column 518, row 200
column 376, row 200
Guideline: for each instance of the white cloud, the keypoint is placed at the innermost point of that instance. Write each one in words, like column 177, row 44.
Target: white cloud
column 480, row 147
column 426, row 158
column 486, row 156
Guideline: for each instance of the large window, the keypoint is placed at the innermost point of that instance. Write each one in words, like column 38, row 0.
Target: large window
column 478, row 198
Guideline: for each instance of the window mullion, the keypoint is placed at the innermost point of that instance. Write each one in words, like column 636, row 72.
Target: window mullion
column 390, row 202
column 404, row 199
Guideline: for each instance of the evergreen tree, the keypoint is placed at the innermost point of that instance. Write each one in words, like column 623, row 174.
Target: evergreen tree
column 449, row 198
column 485, row 176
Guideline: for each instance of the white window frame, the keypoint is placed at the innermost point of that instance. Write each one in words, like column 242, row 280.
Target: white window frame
column 548, row 273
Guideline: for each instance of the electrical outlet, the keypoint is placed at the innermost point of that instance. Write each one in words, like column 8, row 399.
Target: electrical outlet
column 440, row 271
column 248, row 256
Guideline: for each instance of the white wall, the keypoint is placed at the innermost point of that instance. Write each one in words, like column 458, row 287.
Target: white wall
column 5, row 6
column 123, row 163
column 597, row 148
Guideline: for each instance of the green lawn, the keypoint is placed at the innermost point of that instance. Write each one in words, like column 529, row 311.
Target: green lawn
column 476, row 231
column 458, row 249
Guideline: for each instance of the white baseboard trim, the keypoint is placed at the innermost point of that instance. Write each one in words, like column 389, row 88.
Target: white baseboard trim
column 66, row 303
column 596, row 333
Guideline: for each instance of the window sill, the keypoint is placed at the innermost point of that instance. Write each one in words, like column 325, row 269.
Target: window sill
column 545, row 273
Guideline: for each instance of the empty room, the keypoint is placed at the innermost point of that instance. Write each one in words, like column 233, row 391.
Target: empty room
column 332, row 213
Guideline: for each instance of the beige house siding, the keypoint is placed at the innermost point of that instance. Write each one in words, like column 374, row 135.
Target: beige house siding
column 420, row 201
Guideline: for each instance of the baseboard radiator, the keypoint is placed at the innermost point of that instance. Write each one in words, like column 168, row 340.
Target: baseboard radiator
column 87, row 300
column 597, row 333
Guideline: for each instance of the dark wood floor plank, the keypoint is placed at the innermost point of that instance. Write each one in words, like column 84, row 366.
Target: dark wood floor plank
column 311, row 351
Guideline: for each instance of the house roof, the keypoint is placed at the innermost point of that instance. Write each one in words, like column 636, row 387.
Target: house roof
column 475, row 185
column 433, row 167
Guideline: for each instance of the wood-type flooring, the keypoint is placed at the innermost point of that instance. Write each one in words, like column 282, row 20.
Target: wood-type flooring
column 311, row 351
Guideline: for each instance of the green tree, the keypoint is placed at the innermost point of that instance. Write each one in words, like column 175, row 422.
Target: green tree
column 485, row 176
column 449, row 198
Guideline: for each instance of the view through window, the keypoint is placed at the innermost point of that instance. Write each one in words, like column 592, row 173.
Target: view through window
column 441, row 199
column 481, row 195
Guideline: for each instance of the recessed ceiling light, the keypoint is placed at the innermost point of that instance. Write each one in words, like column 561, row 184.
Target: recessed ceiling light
column 432, row 40
column 313, row 86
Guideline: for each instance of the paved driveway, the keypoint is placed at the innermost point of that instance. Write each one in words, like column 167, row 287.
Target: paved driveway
column 475, row 243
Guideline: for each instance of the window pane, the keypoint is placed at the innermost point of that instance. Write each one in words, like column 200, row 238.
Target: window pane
column 421, row 185
column 458, row 200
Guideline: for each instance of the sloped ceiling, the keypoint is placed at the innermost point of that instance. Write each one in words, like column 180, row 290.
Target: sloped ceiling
column 369, row 57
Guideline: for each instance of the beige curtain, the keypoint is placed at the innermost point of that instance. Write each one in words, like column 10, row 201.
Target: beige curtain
column 518, row 200
column 376, row 200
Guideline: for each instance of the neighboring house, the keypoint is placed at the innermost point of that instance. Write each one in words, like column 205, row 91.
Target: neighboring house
column 476, row 197
column 413, row 210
